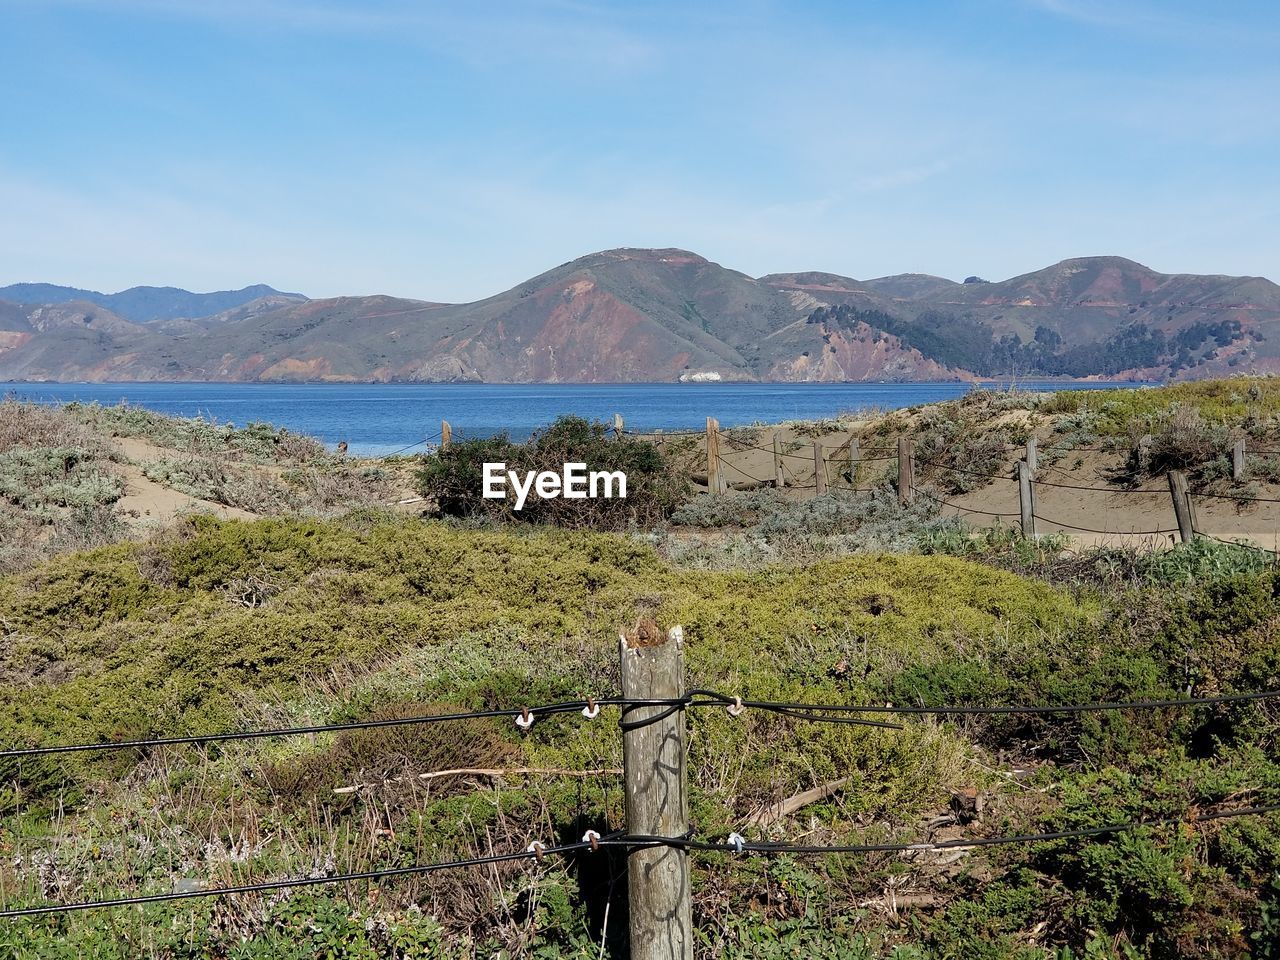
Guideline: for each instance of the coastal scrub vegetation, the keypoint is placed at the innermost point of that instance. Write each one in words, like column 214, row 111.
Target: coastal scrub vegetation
column 84, row 475
column 338, row 610
column 225, row 624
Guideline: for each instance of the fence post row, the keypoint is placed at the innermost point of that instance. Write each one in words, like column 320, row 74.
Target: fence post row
column 819, row 469
column 653, row 760
column 779, row 475
column 1026, row 498
column 714, row 483
column 446, row 434
column 906, row 470
column 1184, row 507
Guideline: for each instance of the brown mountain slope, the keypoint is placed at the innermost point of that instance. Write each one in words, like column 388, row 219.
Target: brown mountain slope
column 618, row 315
column 668, row 314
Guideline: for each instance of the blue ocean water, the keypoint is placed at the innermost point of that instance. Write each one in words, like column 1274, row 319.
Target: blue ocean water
column 377, row 419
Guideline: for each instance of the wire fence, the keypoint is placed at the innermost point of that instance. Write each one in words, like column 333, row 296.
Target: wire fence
column 592, row 841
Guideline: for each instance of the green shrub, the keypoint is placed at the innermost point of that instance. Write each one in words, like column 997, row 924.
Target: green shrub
column 1180, row 439
column 206, row 478
column 56, row 476
column 453, row 479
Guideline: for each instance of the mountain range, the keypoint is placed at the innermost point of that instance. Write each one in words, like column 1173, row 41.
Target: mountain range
column 662, row 315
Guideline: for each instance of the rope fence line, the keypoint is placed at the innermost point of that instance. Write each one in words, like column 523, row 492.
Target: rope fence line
column 737, row 469
column 1117, row 533
column 1027, row 514
column 428, row 439
column 1238, row 497
column 782, row 456
column 963, row 471
column 956, row 506
column 1244, row 544
column 1235, row 497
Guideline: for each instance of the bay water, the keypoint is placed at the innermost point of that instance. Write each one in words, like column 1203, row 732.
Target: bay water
column 376, row 419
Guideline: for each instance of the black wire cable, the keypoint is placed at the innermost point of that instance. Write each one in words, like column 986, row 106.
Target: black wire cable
column 695, row 698
column 532, row 712
column 1029, row 710
column 639, row 841
column 777, row 848
column 266, row 885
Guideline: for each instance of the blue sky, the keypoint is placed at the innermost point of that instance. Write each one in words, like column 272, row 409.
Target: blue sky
column 449, row 151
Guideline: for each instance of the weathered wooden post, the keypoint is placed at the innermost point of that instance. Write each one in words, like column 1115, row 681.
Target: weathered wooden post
column 713, row 456
column 819, row 469
column 1237, row 461
column 1033, row 464
column 906, row 470
column 446, row 434
column 1026, row 500
column 617, row 425
column 1183, row 507
column 854, row 456
column 653, row 760
column 779, row 475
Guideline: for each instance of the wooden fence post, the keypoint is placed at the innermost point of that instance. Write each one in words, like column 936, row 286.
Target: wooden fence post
column 1183, row 507
column 779, row 475
column 653, row 760
column 617, row 425
column 819, row 469
column 1026, row 500
column 713, row 456
column 854, row 456
column 906, row 470
column 446, row 434
column 1237, row 461
column 1033, row 463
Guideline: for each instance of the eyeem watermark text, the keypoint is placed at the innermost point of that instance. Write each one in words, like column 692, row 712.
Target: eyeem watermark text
column 574, row 483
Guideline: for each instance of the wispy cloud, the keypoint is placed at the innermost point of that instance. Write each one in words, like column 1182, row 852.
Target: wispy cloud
column 903, row 176
column 497, row 32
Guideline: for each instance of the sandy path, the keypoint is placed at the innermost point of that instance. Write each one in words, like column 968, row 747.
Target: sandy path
column 147, row 500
